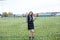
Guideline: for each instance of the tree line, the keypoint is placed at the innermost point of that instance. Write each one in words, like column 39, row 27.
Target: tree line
column 10, row 14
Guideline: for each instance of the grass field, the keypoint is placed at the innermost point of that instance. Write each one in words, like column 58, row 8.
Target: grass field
column 46, row 28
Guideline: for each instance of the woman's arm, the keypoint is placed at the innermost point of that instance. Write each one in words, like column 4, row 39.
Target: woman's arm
column 35, row 17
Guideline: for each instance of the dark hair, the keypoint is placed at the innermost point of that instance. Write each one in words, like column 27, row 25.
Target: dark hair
column 30, row 12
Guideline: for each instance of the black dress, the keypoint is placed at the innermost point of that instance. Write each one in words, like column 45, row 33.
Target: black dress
column 30, row 22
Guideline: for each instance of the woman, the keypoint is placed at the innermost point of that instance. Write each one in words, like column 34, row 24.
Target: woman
column 30, row 25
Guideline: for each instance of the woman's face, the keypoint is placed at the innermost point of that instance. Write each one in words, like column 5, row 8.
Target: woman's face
column 30, row 14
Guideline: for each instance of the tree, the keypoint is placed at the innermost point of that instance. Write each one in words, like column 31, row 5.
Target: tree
column 10, row 14
column 5, row 14
column 36, row 15
column 0, row 14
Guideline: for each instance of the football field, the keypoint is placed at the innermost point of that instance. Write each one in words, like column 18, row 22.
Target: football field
column 46, row 28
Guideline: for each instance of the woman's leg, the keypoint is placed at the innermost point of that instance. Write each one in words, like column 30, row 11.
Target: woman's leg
column 31, row 34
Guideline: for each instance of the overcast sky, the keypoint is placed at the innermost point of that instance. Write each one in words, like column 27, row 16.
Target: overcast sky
column 23, row 6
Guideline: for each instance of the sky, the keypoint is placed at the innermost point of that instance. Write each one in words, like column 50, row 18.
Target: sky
column 23, row 6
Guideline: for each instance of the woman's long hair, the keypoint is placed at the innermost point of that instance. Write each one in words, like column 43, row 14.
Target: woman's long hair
column 31, row 14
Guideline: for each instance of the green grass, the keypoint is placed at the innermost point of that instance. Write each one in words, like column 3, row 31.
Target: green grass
column 46, row 28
